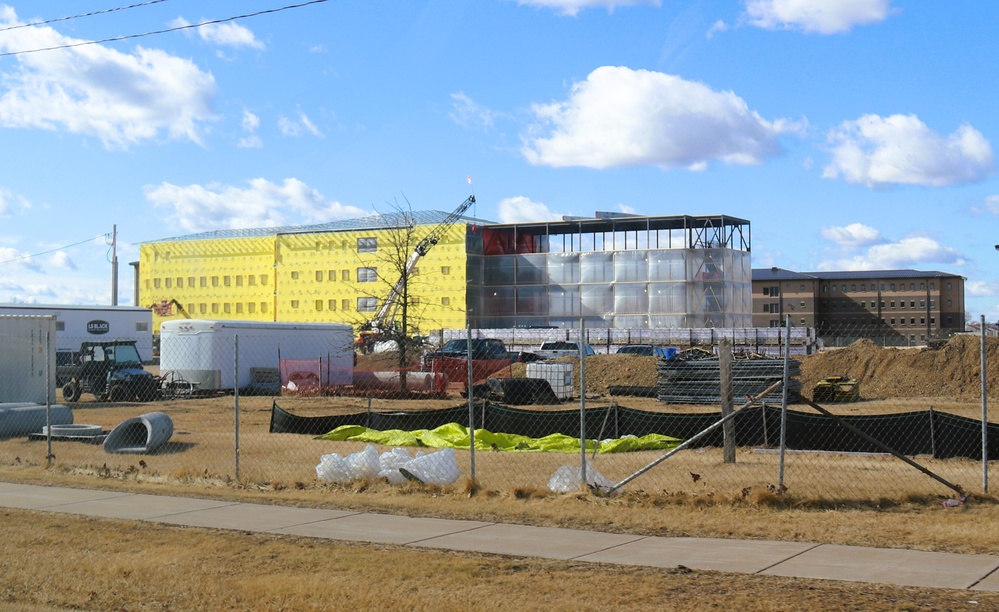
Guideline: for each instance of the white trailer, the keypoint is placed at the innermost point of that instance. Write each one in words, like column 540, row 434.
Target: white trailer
column 78, row 324
column 204, row 352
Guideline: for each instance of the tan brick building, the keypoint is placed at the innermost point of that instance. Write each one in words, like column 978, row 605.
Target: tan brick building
column 902, row 306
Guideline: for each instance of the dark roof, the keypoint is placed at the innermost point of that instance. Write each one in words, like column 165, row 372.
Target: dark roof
column 373, row 222
column 775, row 274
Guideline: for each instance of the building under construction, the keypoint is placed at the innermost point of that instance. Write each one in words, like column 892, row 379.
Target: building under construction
column 612, row 270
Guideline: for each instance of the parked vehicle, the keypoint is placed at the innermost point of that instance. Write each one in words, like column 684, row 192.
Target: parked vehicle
column 648, row 350
column 563, row 348
column 482, row 348
column 111, row 370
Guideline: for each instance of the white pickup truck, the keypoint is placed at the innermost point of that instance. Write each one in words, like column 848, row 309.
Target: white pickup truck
column 563, row 348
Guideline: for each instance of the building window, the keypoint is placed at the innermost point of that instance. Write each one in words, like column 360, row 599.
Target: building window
column 367, row 245
column 912, row 286
column 445, row 270
column 801, row 287
column 331, row 275
column 156, row 283
column 215, row 281
column 834, row 288
column 203, row 308
column 226, row 280
column 294, row 303
column 344, row 304
column 891, row 287
column 950, row 303
column 853, row 287
column 319, row 305
column 319, row 276
column 251, row 307
column 949, row 286
column 239, row 307
column 367, row 275
column 215, row 308
column 933, row 286
column 169, row 282
column 912, row 321
column 863, row 287
column 226, row 308
column 367, row 304
column 803, row 304
column 263, row 306
column 263, row 279
column 294, row 275
column 345, row 275
column 892, row 304
column 331, row 305
column 843, row 288
column 203, row 281
column 252, row 279
column 239, row 280
column 922, row 303
column 882, row 286
column 922, row 286
column 445, row 301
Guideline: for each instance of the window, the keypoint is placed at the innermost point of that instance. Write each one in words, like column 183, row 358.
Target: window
column 445, row 270
column 263, row 306
column 922, row 286
column 226, row 280
column 949, row 286
column 853, row 287
column 215, row 308
column 226, row 308
column 912, row 286
column 863, row 287
column 169, row 282
column 843, row 288
column 252, row 279
column 892, row 286
column 319, row 276
column 215, row 281
column 922, row 303
column 331, row 275
column 203, row 308
column 834, row 288
column 882, row 286
column 239, row 280
column 445, row 301
column 950, row 303
column 933, row 286
column 294, row 303
column 190, row 281
column 156, row 283
column 251, row 307
column 367, row 275
column 802, row 304
column 367, row 245
column 912, row 321
column 912, row 303
column 367, row 304
column 344, row 304
column 892, row 304
column 263, row 279
column 203, row 281
column 319, row 305
column 294, row 275
column 345, row 275
column 766, row 291
column 331, row 305
column 239, row 307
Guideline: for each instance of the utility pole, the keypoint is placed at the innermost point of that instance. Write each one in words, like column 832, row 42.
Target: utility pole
column 114, row 265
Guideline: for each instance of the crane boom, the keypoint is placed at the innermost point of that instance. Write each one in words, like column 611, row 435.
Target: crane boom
column 387, row 311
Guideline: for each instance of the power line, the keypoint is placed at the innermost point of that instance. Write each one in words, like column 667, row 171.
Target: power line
column 166, row 31
column 101, row 12
column 23, row 257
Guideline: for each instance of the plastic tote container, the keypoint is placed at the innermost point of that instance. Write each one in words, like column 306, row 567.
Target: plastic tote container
column 558, row 375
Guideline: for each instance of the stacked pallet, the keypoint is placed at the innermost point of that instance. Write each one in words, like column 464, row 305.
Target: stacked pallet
column 698, row 381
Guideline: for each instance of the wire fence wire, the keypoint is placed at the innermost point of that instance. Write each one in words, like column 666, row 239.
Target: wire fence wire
column 302, row 408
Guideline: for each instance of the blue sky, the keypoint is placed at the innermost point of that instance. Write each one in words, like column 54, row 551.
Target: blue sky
column 858, row 135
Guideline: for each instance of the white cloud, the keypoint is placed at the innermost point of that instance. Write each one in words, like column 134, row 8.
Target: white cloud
column 520, row 209
column 16, row 259
column 716, row 27
column 222, row 34
column 468, row 114
column 627, row 209
column 852, row 236
column 623, row 117
column 913, row 251
column 250, row 124
column 197, row 208
column 61, row 259
column 572, row 7
column 981, row 288
column 12, row 204
column 296, row 127
column 989, row 205
column 120, row 98
column 901, row 149
column 821, row 17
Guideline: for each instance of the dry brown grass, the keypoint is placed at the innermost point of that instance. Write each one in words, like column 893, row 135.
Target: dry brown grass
column 58, row 562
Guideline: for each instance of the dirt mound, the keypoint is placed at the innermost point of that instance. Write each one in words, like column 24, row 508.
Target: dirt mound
column 951, row 371
column 602, row 371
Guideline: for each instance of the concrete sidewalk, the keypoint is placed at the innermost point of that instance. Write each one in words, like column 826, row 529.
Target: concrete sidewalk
column 794, row 559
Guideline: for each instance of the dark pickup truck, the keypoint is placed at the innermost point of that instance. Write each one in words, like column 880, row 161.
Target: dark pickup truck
column 488, row 355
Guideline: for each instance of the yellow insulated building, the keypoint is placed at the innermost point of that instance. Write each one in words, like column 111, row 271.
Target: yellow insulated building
column 338, row 272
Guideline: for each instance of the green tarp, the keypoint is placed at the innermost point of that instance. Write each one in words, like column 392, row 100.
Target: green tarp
column 454, row 435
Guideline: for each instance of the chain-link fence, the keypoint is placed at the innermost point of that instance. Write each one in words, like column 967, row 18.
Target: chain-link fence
column 723, row 415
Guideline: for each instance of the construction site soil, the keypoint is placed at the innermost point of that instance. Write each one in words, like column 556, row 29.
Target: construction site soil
column 952, row 371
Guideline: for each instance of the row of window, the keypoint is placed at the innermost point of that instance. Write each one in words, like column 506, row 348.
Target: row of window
column 849, row 305
column 364, row 275
column 774, row 291
column 204, row 281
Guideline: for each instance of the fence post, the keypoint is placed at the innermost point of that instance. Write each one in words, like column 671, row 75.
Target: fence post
column 471, row 405
column 725, row 384
column 235, row 394
column 985, row 416
column 582, row 405
column 783, row 405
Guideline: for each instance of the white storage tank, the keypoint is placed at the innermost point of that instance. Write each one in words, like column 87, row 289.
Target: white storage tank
column 558, row 375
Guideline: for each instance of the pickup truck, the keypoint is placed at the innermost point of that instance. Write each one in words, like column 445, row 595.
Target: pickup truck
column 563, row 348
column 482, row 348
column 489, row 355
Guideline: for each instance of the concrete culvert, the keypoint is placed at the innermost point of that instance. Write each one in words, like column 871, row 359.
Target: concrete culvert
column 80, row 430
column 138, row 435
